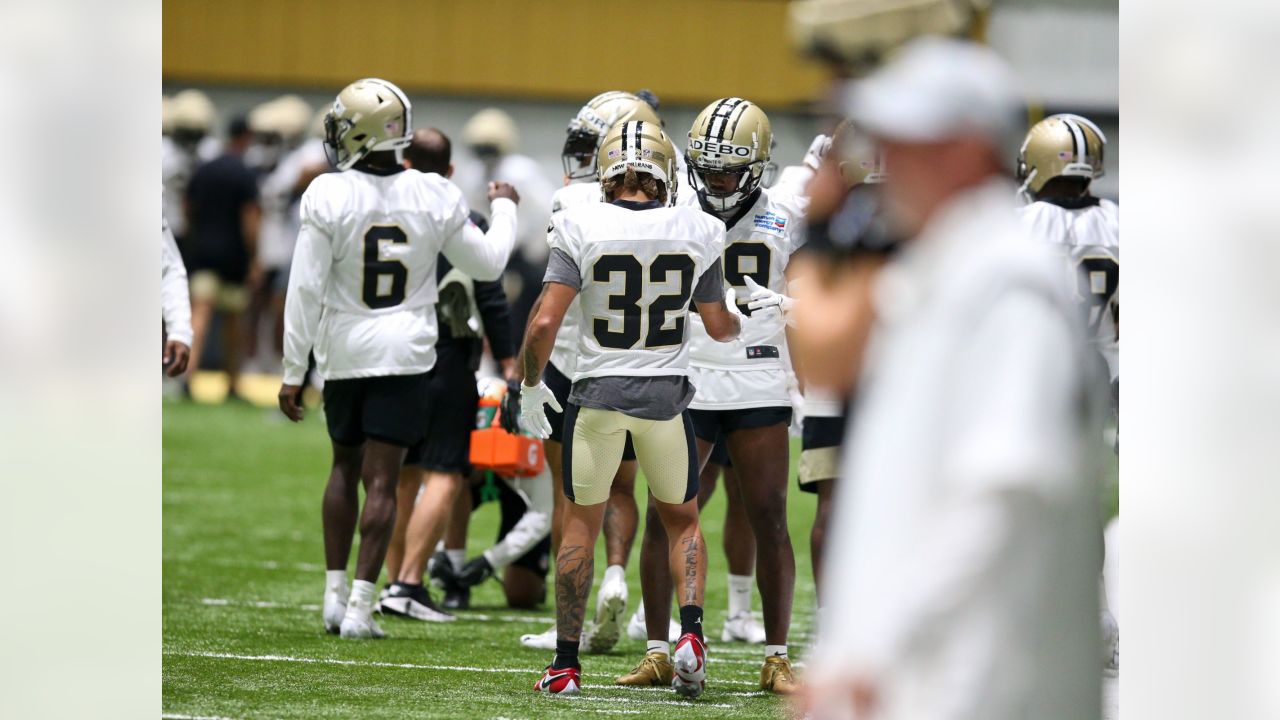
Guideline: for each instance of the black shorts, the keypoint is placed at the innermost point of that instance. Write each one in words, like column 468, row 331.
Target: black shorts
column 720, row 454
column 560, row 386
column 391, row 409
column 711, row 425
column 538, row 558
column 446, row 446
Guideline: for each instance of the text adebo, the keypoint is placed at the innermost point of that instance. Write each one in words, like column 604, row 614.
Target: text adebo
column 711, row 146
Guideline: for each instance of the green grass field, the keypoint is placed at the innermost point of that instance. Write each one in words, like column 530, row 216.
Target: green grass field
column 243, row 579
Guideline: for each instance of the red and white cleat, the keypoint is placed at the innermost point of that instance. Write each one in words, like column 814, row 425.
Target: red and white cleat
column 690, row 661
column 565, row 681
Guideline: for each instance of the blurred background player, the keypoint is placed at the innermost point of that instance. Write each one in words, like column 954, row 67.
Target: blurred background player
column 621, row 256
column 964, row 551
column 742, row 389
column 583, row 136
column 187, row 143
column 493, row 141
column 1058, row 161
column 362, row 293
column 221, row 249
column 465, row 310
column 175, row 304
column 287, row 164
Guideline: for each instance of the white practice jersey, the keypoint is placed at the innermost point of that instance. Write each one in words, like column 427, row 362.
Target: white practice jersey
column 638, row 271
column 175, row 303
column 758, row 246
column 1089, row 237
column 362, row 288
column 565, row 353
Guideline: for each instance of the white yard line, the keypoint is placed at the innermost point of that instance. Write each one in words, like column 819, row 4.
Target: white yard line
column 272, row 605
column 174, row 716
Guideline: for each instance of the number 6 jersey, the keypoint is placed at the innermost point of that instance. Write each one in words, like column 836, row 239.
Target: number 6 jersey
column 638, row 270
column 362, row 288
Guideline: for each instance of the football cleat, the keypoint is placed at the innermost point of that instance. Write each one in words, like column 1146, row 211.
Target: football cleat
column 358, row 623
column 636, row 629
column 545, row 640
column 611, row 607
column 742, row 627
column 776, row 676
column 690, row 666
column 457, row 599
column 414, row 602
column 335, row 607
column 565, row 681
column 654, row 669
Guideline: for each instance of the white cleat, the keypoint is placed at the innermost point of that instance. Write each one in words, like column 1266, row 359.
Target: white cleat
column 636, row 629
column 335, row 607
column 358, row 624
column 540, row 641
column 743, row 627
column 611, row 607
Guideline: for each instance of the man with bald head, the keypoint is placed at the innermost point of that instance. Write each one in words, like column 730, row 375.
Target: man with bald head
column 440, row 460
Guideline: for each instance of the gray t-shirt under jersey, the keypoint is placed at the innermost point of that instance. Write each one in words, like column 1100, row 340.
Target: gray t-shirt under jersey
column 651, row 398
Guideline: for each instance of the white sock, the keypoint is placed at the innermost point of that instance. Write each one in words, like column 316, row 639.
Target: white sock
column 335, row 581
column 362, row 592
column 739, row 594
column 615, row 573
column 457, row 557
column 661, row 646
column 771, row 650
column 640, row 611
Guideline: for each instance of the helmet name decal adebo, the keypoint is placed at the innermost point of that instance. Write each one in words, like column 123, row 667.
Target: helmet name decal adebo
column 721, row 148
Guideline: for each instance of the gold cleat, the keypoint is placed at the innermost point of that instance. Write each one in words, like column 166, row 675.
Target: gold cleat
column 654, row 669
column 776, row 676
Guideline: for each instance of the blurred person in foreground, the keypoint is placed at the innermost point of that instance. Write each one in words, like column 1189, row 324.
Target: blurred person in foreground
column 362, row 295
column 221, row 250
column 965, row 550
column 436, row 465
column 175, row 303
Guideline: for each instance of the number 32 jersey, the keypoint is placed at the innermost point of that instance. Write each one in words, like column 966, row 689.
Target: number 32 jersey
column 362, row 288
column 1089, row 237
column 638, row 270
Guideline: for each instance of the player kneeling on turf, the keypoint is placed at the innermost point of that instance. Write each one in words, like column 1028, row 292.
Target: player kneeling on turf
column 362, row 294
column 633, row 263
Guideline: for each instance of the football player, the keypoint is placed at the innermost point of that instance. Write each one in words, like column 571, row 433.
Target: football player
column 634, row 265
column 436, row 466
column 362, row 293
column 582, row 141
column 742, row 389
column 1057, row 163
column 175, row 303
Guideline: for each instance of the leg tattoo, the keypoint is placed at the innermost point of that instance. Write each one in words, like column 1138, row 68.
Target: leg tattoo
column 575, row 566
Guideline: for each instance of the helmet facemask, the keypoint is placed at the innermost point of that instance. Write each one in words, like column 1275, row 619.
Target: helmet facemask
column 723, row 189
column 579, row 154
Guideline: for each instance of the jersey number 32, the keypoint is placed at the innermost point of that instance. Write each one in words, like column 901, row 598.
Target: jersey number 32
column 627, row 302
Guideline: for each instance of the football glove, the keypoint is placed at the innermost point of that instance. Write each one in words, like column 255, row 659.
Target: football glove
column 476, row 571
column 762, row 298
column 509, row 411
column 818, row 150
column 533, row 419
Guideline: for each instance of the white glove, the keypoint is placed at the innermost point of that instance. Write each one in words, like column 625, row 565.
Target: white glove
column 533, row 419
column 818, row 150
column 763, row 298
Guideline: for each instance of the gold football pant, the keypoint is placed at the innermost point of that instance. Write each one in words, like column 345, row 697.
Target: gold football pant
column 594, row 440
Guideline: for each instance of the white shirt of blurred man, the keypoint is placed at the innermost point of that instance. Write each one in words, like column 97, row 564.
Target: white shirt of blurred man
column 966, row 545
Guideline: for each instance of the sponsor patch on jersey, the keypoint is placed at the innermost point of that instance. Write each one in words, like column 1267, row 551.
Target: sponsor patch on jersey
column 770, row 222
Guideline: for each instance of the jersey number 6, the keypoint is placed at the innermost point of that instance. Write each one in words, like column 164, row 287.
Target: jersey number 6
column 375, row 270
column 628, row 300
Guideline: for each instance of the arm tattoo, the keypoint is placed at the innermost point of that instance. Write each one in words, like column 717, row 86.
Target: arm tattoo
column 529, row 364
column 694, row 552
column 575, row 566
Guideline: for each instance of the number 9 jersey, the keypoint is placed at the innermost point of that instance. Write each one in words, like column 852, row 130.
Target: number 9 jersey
column 362, row 288
column 638, row 271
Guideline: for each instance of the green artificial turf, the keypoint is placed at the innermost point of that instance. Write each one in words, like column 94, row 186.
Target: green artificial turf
column 243, row 581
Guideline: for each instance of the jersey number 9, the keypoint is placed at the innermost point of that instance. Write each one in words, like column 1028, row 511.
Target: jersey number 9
column 744, row 260
column 372, row 289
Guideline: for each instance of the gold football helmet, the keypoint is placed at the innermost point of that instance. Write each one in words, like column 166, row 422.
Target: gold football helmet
column 728, row 152
column 858, row 34
column 491, row 133
column 592, row 123
column 369, row 115
column 642, row 146
column 1062, row 145
column 860, row 161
